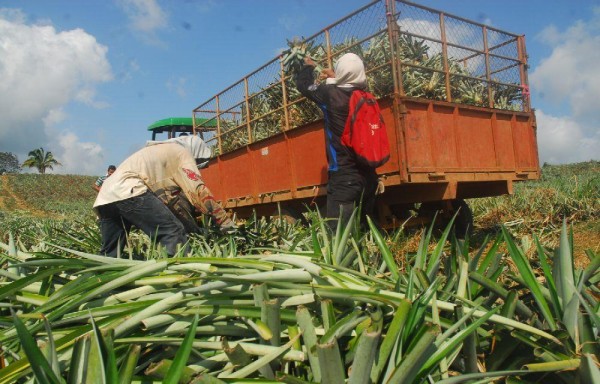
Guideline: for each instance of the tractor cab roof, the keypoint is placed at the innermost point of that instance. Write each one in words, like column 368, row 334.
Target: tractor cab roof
column 174, row 125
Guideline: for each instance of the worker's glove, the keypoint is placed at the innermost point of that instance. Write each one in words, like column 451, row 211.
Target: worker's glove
column 380, row 187
column 228, row 227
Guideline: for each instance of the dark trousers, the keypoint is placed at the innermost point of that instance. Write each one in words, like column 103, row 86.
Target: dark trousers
column 346, row 192
column 147, row 213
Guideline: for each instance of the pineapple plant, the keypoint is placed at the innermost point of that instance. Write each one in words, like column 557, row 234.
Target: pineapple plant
column 286, row 303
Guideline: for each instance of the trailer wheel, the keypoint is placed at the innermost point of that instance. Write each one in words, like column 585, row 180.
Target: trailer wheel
column 463, row 224
column 402, row 211
column 289, row 214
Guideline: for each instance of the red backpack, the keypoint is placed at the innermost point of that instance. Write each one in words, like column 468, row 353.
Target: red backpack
column 365, row 133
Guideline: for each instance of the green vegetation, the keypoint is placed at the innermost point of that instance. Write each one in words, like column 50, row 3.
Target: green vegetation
column 294, row 304
column 41, row 160
column 67, row 196
column 9, row 163
column 315, row 308
column 35, row 204
column 570, row 192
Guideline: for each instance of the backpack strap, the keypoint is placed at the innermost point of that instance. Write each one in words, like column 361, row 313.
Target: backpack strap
column 361, row 101
column 364, row 98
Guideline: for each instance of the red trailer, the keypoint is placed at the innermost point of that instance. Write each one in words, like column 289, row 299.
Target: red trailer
column 453, row 93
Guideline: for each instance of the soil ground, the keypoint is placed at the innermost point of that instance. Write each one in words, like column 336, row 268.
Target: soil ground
column 586, row 236
column 11, row 201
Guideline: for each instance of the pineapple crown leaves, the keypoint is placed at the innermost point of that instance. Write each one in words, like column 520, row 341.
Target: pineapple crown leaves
column 293, row 58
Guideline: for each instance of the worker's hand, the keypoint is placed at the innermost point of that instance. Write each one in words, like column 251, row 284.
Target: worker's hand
column 380, row 187
column 308, row 61
column 228, row 227
column 326, row 73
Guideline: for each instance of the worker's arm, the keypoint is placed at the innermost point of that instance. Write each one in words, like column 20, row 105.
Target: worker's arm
column 210, row 206
column 98, row 184
column 305, row 82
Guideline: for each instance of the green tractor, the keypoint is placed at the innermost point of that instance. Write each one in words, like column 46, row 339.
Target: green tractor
column 177, row 126
column 172, row 127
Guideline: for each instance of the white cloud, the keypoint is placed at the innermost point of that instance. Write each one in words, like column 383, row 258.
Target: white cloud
column 461, row 34
column 54, row 116
column 569, row 77
column 146, row 17
column 418, row 26
column 77, row 157
column 42, row 70
column 576, row 55
column 41, row 67
column 14, row 15
column 563, row 140
column 87, row 95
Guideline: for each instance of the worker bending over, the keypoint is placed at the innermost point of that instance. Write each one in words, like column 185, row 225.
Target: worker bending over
column 130, row 196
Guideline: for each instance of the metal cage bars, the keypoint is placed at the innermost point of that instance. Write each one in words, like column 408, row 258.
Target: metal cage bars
column 239, row 121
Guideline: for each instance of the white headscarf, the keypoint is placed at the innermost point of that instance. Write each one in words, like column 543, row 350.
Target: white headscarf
column 197, row 147
column 349, row 72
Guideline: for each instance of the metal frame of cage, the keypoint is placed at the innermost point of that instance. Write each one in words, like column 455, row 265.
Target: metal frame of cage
column 497, row 55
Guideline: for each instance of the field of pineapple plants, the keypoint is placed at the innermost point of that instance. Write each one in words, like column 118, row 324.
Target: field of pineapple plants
column 517, row 302
column 280, row 302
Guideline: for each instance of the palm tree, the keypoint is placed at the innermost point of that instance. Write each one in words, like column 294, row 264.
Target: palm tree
column 41, row 160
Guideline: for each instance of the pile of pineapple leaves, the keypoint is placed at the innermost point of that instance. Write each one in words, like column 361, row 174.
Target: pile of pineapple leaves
column 422, row 77
column 294, row 303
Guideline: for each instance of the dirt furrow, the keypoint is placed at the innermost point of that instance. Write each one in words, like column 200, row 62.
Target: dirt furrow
column 11, row 201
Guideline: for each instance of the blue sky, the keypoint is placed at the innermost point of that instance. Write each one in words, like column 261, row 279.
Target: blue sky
column 84, row 79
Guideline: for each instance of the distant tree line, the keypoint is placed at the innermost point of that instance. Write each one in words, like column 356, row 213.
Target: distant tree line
column 9, row 163
column 38, row 158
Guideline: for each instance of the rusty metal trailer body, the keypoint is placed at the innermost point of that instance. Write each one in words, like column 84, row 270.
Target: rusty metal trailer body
column 453, row 94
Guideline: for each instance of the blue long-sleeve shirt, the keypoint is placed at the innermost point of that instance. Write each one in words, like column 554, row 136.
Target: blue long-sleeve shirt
column 333, row 101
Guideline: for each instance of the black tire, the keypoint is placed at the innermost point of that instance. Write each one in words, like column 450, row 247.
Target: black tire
column 289, row 214
column 402, row 211
column 428, row 209
column 463, row 224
